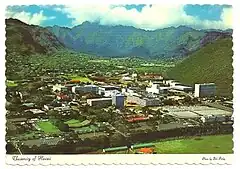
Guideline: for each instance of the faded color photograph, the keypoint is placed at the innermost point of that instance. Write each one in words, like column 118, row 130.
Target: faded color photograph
column 119, row 79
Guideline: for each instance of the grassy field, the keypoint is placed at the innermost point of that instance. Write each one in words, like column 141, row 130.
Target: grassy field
column 76, row 77
column 82, row 79
column 11, row 83
column 47, row 127
column 215, row 144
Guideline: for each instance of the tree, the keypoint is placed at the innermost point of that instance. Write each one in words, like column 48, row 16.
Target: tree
column 116, row 139
column 63, row 127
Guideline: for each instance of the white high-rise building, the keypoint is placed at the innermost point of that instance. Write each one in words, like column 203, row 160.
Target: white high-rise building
column 205, row 90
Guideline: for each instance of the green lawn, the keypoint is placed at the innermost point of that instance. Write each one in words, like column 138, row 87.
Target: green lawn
column 216, row 144
column 11, row 83
column 47, row 127
column 76, row 77
column 72, row 121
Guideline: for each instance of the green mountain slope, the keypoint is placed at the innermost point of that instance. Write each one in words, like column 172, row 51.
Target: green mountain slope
column 27, row 39
column 120, row 40
column 212, row 63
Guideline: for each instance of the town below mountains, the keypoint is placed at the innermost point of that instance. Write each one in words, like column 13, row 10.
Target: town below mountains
column 117, row 89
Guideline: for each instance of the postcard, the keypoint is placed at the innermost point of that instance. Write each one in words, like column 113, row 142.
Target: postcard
column 119, row 84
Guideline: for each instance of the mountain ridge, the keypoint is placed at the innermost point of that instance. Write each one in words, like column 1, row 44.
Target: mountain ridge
column 118, row 40
column 29, row 39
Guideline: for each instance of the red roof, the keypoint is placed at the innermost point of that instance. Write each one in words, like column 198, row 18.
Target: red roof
column 146, row 150
column 63, row 97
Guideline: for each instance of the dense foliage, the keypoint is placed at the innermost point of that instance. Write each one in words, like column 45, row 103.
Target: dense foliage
column 129, row 41
column 28, row 39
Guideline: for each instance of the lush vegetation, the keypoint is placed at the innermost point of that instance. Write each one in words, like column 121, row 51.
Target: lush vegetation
column 129, row 41
column 212, row 63
column 75, row 66
column 76, row 77
column 10, row 83
column 47, row 127
column 28, row 39
column 216, row 144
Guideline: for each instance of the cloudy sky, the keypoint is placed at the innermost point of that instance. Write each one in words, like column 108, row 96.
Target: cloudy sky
column 149, row 17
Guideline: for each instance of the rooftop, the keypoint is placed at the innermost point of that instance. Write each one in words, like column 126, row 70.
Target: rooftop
column 97, row 99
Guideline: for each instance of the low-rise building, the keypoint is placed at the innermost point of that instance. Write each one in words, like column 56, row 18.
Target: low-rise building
column 85, row 89
column 142, row 101
column 213, row 118
column 118, row 100
column 157, row 89
column 205, row 90
column 103, row 102
column 168, row 82
column 108, row 91
column 182, row 88
column 36, row 112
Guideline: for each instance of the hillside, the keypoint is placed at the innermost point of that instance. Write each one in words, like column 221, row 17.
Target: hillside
column 27, row 39
column 212, row 63
column 129, row 41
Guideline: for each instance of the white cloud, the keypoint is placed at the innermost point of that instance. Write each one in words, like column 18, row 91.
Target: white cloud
column 35, row 19
column 154, row 17
column 227, row 17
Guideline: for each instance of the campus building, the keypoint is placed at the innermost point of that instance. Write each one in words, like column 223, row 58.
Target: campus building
column 205, row 90
column 142, row 101
column 85, row 89
column 118, row 100
column 103, row 102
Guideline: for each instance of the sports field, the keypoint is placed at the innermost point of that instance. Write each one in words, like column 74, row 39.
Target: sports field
column 216, row 144
column 47, row 127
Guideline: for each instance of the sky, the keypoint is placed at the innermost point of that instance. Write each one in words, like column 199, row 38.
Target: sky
column 144, row 16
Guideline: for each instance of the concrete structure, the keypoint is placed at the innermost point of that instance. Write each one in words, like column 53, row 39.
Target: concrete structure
column 182, row 88
column 153, row 89
column 59, row 87
column 108, row 91
column 103, row 102
column 169, row 82
column 174, row 83
column 157, row 89
column 205, row 90
column 129, row 92
column 85, row 89
column 205, row 113
column 213, row 118
column 143, row 101
column 118, row 100
column 151, row 83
